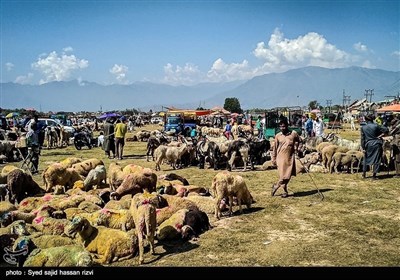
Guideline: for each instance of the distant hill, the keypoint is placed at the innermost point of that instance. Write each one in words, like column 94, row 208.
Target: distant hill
column 291, row 88
column 300, row 86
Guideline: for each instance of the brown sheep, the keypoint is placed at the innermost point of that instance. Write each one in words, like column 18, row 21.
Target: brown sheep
column 225, row 184
column 57, row 174
column 22, row 185
column 84, row 167
column 115, row 175
column 135, row 183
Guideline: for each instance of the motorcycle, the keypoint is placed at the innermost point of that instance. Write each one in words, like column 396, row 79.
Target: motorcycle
column 82, row 139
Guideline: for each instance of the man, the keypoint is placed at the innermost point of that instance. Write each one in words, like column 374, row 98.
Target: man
column 120, row 130
column 32, row 137
column 109, row 142
column 283, row 156
column 371, row 143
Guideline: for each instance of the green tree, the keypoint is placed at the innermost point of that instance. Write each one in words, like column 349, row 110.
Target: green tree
column 232, row 104
column 313, row 105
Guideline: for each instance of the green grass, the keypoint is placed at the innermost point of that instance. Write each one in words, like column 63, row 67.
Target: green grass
column 357, row 223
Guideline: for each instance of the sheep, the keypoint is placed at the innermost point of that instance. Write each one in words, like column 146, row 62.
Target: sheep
column 115, row 175
column 83, row 168
column 49, row 225
column 135, row 183
column 143, row 211
column 22, row 185
column 95, row 177
column 17, row 227
column 123, row 203
column 68, row 162
column 117, row 219
column 204, row 203
column 58, row 174
column 63, row 256
column 6, row 206
column 9, row 217
column 171, row 228
column 171, row 204
column 107, row 244
column 225, row 184
column 343, row 159
column 197, row 222
column 327, row 153
column 7, row 169
column 172, row 154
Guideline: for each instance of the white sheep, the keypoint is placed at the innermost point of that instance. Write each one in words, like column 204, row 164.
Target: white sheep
column 143, row 210
column 96, row 177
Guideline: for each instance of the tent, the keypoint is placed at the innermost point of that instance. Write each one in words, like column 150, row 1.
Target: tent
column 389, row 108
column 12, row 115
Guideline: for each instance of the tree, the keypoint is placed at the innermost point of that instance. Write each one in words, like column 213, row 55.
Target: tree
column 313, row 105
column 233, row 105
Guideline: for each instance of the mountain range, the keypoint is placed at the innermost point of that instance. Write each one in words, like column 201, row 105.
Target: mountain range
column 295, row 87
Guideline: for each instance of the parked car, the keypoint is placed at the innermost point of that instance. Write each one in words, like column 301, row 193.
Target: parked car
column 43, row 122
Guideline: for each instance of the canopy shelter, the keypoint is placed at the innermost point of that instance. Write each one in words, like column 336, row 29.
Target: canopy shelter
column 389, row 108
column 109, row 115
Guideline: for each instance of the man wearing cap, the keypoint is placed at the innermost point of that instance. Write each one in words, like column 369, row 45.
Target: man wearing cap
column 120, row 131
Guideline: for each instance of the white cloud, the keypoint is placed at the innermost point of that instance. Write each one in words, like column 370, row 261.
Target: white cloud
column 360, row 47
column 186, row 75
column 9, row 66
column 119, row 71
column 396, row 53
column 223, row 72
column 68, row 49
column 56, row 67
column 24, row 79
column 311, row 49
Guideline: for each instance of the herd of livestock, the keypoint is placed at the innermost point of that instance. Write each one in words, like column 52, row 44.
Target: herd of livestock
column 86, row 213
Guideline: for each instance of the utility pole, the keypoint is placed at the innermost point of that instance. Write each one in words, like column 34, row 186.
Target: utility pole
column 346, row 100
column 369, row 93
column 329, row 104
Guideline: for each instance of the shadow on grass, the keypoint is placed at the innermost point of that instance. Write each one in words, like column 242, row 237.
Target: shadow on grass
column 172, row 247
column 133, row 156
column 311, row 192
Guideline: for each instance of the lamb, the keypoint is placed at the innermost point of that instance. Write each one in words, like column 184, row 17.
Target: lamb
column 22, row 185
column 63, row 256
column 107, row 244
column 83, row 168
column 171, row 228
column 225, row 184
column 143, row 211
column 135, row 183
column 95, row 177
column 327, row 153
column 359, row 156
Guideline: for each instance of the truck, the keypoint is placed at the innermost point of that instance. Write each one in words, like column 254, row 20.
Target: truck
column 273, row 116
column 179, row 121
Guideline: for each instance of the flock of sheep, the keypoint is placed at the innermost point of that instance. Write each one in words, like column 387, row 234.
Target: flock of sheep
column 87, row 214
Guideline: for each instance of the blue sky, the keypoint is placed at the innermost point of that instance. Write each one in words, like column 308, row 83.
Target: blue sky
column 190, row 42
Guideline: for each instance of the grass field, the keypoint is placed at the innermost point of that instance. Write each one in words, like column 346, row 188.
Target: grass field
column 356, row 224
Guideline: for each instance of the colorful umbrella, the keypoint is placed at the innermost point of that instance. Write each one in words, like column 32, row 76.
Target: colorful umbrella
column 12, row 115
column 109, row 115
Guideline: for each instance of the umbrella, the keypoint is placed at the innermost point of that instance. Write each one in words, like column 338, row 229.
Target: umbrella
column 109, row 115
column 12, row 115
